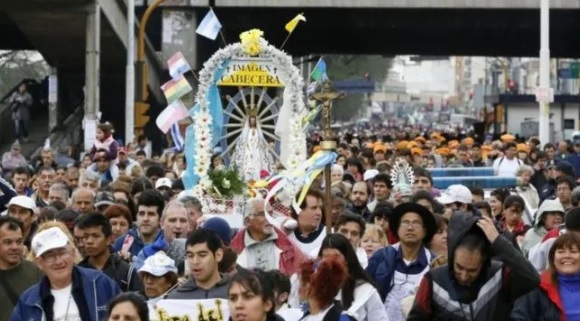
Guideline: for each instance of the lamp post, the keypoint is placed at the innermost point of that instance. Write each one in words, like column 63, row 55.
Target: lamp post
column 544, row 94
column 325, row 97
column 130, row 74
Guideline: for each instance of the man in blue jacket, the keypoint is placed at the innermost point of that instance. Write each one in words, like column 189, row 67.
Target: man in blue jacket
column 65, row 292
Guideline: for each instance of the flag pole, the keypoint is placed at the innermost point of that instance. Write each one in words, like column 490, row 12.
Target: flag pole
column 223, row 38
column 286, row 40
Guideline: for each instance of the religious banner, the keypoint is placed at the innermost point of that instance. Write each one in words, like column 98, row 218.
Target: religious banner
column 191, row 310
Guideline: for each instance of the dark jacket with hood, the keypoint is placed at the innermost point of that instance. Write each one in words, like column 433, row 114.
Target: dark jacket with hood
column 489, row 297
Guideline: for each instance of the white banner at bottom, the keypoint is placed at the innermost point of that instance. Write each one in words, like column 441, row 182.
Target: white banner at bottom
column 190, row 310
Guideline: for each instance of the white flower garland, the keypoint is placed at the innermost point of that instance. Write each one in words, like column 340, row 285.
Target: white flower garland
column 293, row 99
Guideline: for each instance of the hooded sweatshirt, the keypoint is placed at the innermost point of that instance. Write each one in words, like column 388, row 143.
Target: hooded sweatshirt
column 490, row 296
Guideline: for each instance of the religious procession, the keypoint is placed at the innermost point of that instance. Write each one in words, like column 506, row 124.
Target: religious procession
column 259, row 219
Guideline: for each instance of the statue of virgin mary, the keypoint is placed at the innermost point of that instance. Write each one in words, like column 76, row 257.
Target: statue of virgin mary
column 252, row 154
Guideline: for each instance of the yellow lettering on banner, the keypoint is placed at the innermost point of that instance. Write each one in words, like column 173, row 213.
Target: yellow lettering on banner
column 250, row 74
column 203, row 314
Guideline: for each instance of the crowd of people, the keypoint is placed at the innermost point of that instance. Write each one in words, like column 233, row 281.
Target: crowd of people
column 111, row 236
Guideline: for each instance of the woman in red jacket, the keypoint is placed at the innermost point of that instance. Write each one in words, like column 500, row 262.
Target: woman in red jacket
column 558, row 297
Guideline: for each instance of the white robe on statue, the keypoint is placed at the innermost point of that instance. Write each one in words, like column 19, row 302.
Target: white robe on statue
column 252, row 154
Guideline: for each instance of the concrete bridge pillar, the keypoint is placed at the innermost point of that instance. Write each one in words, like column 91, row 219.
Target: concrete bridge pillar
column 92, row 73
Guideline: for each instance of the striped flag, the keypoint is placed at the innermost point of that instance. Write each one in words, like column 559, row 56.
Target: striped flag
column 177, row 65
column 175, row 89
column 173, row 113
column 210, row 26
column 178, row 141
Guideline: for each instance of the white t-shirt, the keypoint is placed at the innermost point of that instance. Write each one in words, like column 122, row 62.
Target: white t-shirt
column 504, row 167
column 361, row 255
column 65, row 307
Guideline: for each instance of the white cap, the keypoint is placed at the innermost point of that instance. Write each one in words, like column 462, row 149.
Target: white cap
column 163, row 182
column 158, row 264
column 456, row 193
column 52, row 238
column 23, row 201
column 370, row 174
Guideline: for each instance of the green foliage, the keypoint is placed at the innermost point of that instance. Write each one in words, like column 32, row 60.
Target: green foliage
column 18, row 65
column 227, row 181
column 343, row 67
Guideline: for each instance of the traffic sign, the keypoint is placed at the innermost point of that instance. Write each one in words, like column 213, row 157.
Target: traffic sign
column 251, row 72
column 544, row 95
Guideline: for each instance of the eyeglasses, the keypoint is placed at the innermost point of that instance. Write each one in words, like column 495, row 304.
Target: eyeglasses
column 414, row 225
column 53, row 256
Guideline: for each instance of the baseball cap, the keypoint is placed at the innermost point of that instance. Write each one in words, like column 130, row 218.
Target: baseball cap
column 23, row 201
column 104, row 198
column 52, row 238
column 158, row 264
column 163, row 182
column 456, row 193
column 370, row 174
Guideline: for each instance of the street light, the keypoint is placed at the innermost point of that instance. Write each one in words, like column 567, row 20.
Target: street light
column 544, row 94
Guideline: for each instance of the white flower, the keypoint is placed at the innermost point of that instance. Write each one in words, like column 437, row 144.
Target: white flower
column 221, row 208
column 206, row 183
column 200, row 171
column 226, row 183
column 220, row 168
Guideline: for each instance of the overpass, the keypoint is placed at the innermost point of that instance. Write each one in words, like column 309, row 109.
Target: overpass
column 58, row 29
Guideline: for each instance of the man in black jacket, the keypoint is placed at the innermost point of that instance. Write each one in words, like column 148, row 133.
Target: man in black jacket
column 97, row 237
column 473, row 286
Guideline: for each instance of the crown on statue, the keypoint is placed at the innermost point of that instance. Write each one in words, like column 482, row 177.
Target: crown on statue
column 252, row 110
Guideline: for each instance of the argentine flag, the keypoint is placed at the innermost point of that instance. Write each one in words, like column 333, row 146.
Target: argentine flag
column 210, row 26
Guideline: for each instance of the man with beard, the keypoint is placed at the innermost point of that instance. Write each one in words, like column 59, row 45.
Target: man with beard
column 261, row 245
column 473, row 286
column 16, row 274
column 359, row 198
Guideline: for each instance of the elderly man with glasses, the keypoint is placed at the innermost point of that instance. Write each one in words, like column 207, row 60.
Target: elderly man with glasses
column 66, row 292
column 261, row 245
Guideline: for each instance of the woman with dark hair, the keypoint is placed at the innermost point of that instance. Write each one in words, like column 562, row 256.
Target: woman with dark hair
column 438, row 243
column 216, row 161
column 424, row 198
column 359, row 297
column 128, row 306
column 355, row 167
column 498, row 196
column 320, row 283
column 556, row 298
column 251, row 297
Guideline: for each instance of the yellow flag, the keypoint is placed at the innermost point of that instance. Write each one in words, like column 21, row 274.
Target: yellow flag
column 290, row 26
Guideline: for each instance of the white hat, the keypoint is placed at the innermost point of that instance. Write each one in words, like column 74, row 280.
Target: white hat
column 158, row 264
column 456, row 193
column 23, row 201
column 163, row 182
column 370, row 174
column 52, row 238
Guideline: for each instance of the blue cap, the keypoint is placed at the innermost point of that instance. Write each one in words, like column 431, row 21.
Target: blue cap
column 221, row 227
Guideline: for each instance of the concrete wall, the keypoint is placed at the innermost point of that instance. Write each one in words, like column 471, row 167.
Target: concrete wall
column 460, row 4
column 517, row 113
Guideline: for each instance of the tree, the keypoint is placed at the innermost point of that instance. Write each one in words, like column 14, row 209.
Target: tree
column 18, row 65
column 343, row 67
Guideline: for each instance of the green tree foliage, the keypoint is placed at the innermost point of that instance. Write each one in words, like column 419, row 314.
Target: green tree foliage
column 18, row 65
column 344, row 67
